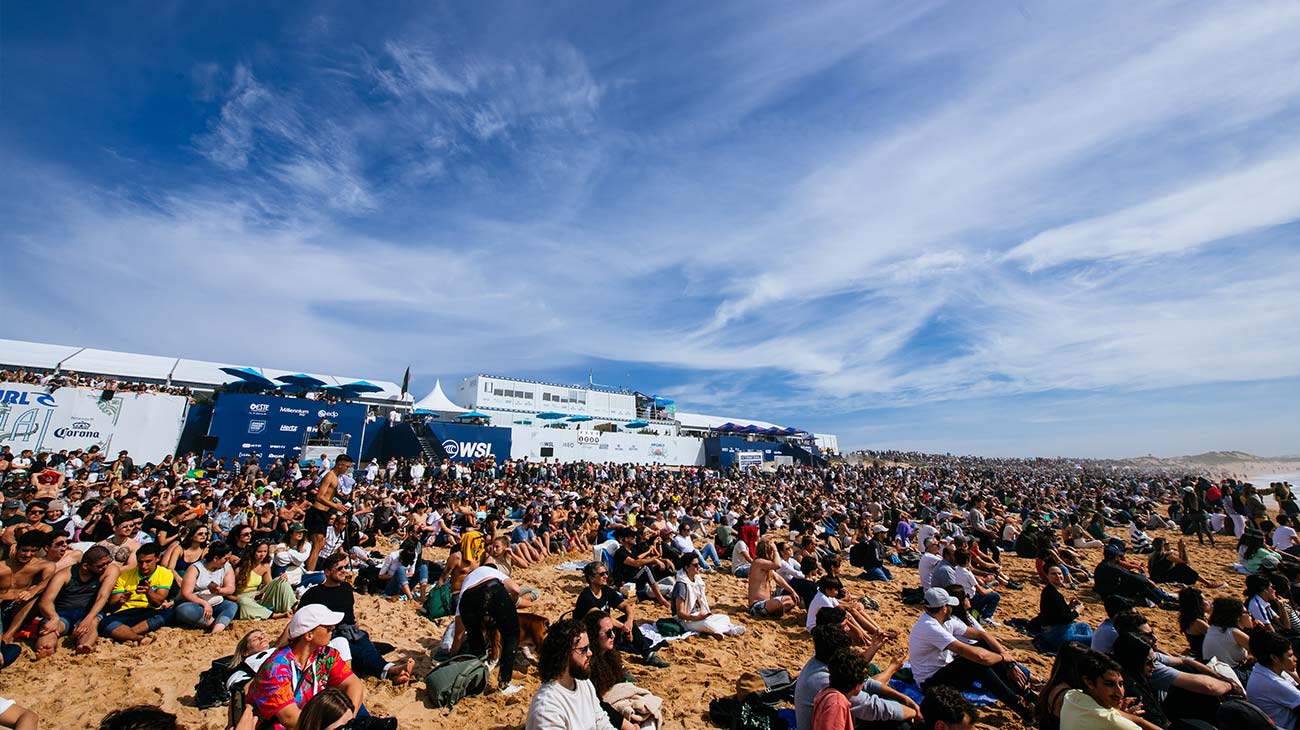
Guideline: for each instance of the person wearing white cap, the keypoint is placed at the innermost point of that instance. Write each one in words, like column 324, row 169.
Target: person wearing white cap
column 940, row 658
column 307, row 666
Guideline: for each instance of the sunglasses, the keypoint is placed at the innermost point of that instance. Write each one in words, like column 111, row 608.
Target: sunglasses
column 608, row 633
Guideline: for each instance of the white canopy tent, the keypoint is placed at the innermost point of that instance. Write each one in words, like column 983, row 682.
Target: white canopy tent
column 438, row 402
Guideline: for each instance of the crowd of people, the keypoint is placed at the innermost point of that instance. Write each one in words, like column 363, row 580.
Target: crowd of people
column 99, row 550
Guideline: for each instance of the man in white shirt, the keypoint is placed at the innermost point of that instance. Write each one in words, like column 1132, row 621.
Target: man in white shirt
column 939, row 657
column 567, row 699
column 1284, row 536
column 931, row 558
column 1270, row 687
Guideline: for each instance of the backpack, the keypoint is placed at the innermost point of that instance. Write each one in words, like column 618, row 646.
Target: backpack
column 457, row 678
column 913, row 596
column 747, row 714
column 1242, row 715
column 211, row 688
column 438, row 603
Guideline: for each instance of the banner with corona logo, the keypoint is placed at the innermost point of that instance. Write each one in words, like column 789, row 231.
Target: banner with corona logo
column 146, row 424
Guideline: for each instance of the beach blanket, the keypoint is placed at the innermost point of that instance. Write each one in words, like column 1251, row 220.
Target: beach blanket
column 912, row 690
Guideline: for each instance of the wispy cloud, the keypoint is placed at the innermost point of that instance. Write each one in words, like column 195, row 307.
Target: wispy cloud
column 807, row 212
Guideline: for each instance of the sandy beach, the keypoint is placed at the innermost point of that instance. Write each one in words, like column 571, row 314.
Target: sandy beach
column 75, row 691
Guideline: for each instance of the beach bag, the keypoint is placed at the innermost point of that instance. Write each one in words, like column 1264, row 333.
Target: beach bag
column 669, row 627
column 913, row 596
column 734, row 713
column 438, row 603
column 211, row 688
column 455, row 679
column 769, row 686
column 910, row 558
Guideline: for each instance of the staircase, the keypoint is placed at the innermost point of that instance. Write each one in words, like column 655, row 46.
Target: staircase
column 432, row 454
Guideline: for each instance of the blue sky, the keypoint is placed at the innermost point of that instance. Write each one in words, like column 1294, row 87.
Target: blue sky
column 1031, row 229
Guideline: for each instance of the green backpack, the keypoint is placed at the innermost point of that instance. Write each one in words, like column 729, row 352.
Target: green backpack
column 438, row 603
column 457, row 678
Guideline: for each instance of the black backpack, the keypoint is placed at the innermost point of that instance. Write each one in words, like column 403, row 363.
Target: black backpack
column 1242, row 715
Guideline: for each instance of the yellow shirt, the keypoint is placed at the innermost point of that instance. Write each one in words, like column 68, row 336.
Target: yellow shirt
column 129, row 580
column 1081, row 712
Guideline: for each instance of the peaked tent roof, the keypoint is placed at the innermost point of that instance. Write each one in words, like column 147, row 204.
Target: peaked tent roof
column 438, row 401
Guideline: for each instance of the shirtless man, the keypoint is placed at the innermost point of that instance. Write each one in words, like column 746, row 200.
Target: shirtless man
column 60, row 554
column 73, row 601
column 318, row 516
column 122, row 543
column 762, row 572
column 22, row 578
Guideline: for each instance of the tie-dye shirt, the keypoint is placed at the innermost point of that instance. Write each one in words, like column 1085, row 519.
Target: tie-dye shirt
column 280, row 683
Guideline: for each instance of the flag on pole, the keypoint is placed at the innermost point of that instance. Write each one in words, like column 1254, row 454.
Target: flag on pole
column 406, row 380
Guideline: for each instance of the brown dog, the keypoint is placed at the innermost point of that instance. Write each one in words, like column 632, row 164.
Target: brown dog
column 532, row 632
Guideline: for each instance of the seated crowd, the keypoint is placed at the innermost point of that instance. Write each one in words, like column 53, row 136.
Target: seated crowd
column 100, row 550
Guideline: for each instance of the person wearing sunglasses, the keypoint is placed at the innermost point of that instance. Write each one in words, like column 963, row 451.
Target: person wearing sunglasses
column 599, row 596
column 73, row 602
column 567, row 699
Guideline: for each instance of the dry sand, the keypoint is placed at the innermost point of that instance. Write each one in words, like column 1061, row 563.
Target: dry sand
column 70, row 691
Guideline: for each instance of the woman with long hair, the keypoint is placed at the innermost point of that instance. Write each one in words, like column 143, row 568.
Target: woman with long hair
column 328, row 710
column 1166, row 565
column 251, row 643
column 608, row 673
column 1064, row 677
column 1138, row 660
column 1192, row 610
column 207, row 591
column 188, row 549
column 261, row 596
column 1226, row 639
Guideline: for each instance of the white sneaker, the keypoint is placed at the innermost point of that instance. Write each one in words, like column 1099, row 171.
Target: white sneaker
column 511, row 689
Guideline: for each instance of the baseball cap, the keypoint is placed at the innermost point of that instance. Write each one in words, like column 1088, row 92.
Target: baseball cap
column 13, row 504
column 879, row 528
column 311, row 616
column 937, row 597
column 1114, row 551
column 297, row 527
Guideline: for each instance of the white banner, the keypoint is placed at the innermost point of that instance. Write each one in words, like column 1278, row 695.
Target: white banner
column 527, row 442
column 746, row 459
column 148, row 425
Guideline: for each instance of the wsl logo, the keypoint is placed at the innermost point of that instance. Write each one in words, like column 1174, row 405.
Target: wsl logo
column 78, row 430
column 25, row 398
column 466, row 449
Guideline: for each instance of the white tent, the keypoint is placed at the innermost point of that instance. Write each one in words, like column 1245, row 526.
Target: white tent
column 438, row 402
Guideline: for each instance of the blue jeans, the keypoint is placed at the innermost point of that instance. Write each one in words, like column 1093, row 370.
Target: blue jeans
column 1054, row 637
column 190, row 614
column 710, row 553
column 880, row 573
column 401, row 577
column 985, row 604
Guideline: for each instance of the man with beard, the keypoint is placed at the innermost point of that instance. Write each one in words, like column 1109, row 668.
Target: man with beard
column 22, row 579
column 567, row 699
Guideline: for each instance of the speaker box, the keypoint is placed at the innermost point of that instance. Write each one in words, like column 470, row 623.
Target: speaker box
column 107, row 395
column 548, row 451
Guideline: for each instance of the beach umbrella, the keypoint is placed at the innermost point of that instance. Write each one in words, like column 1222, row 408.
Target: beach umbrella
column 361, row 386
column 473, row 414
column 249, row 375
column 303, row 379
column 662, row 401
column 636, row 424
column 550, row 415
column 425, row 412
column 579, row 418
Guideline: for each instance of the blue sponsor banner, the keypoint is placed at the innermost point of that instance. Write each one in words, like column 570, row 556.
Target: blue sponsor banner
column 272, row 427
column 463, row 442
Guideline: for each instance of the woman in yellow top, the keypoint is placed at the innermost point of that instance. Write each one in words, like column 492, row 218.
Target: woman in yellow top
column 259, row 596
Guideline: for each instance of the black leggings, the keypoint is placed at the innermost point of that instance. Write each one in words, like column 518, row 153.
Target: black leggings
column 490, row 598
column 961, row 673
